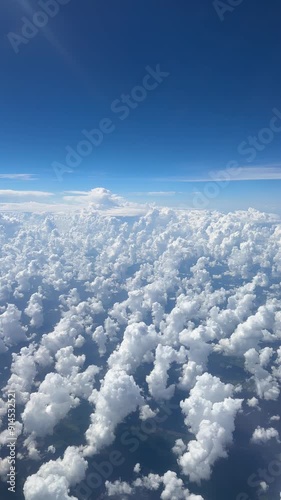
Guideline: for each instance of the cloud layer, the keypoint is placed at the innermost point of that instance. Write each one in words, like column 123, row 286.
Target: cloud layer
column 121, row 314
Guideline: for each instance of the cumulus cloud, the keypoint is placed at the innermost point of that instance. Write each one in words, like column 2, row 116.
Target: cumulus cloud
column 138, row 340
column 253, row 402
column 118, row 397
column 35, row 310
column 262, row 435
column 161, row 305
column 267, row 386
column 11, row 330
column 58, row 393
column 23, row 372
column 100, row 198
column 173, row 487
column 146, row 412
column 103, row 200
column 54, row 479
column 209, row 413
column 157, row 379
column 48, row 405
column 249, row 333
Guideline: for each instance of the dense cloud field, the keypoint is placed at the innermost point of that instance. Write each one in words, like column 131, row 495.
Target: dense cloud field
column 106, row 319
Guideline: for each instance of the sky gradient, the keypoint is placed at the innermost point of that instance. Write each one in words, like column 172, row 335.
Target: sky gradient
column 174, row 92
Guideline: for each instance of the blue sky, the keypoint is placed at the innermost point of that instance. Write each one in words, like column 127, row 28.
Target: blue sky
column 222, row 82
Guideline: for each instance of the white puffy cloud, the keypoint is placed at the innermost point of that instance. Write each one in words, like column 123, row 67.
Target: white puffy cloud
column 4, row 468
column 210, row 412
column 266, row 385
column 179, row 448
column 173, row 487
column 35, row 310
column 137, row 468
column 262, row 435
column 5, row 436
column 158, row 378
column 32, row 447
column 118, row 397
column 58, row 393
column 23, row 372
column 146, row 412
column 100, row 198
column 249, row 333
column 48, row 405
column 253, row 402
column 118, row 488
column 54, row 479
column 197, row 353
column 11, row 330
column 138, row 340
column 67, row 362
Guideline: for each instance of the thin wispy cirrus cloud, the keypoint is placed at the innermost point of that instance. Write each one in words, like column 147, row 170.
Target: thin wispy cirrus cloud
column 266, row 172
column 36, row 207
column 155, row 193
column 19, row 177
column 12, row 193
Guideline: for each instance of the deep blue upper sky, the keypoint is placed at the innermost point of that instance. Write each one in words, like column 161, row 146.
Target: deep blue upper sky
column 224, row 80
